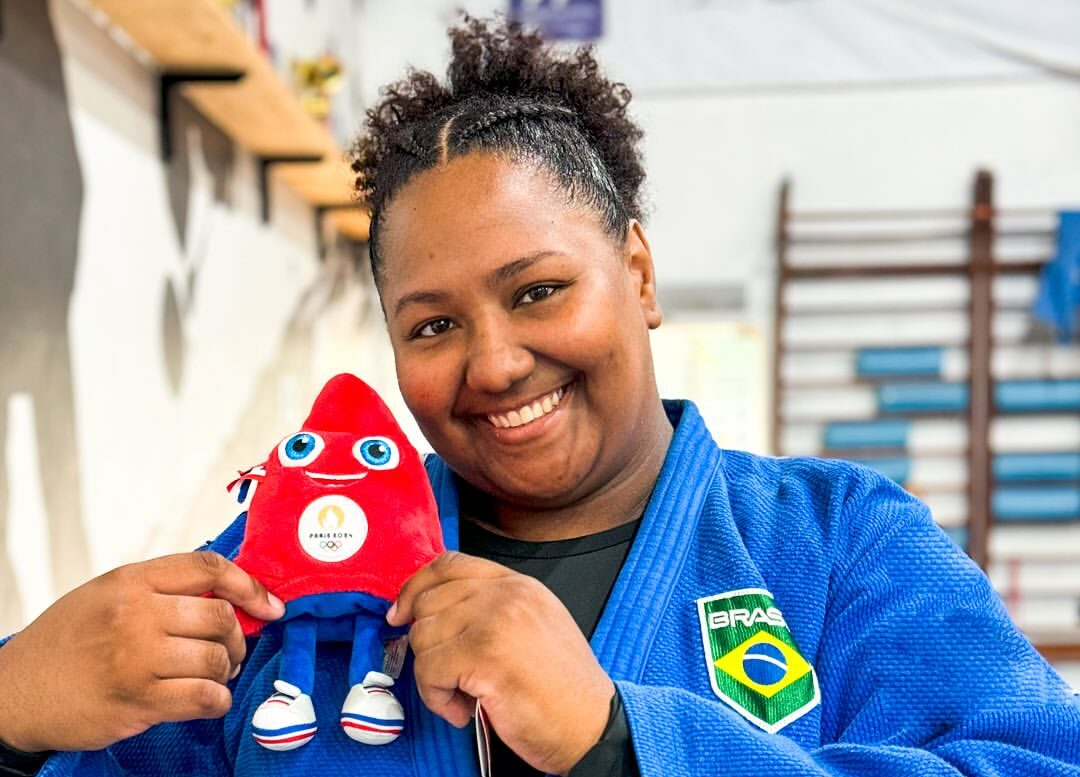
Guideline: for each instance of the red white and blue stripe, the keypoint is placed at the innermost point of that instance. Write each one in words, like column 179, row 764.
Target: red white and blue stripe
column 388, row 726
column 286, row 735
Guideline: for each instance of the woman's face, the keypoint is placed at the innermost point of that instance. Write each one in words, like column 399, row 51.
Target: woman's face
column 520, row 330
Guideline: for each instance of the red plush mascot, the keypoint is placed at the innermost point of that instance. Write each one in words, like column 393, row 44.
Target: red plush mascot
column 338, row 517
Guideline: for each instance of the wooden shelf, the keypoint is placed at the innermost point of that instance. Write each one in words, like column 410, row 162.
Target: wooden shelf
column 1059, row 651
column 328, row 183
column 259, row 112
column 354, row 224
column 188, row 34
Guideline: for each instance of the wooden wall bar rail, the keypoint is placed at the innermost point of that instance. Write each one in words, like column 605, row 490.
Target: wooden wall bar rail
column 977, row 228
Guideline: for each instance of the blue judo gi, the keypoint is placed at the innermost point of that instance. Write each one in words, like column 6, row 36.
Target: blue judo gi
column 917, row 669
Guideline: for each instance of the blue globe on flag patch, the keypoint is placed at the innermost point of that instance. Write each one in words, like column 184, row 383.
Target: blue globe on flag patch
column 765, row 664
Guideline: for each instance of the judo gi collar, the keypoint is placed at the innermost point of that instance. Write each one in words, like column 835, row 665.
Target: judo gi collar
column 625, row 633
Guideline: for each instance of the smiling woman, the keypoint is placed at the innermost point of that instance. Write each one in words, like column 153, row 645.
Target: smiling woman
column 517, row 281
column 630, row 599
column 512, row 301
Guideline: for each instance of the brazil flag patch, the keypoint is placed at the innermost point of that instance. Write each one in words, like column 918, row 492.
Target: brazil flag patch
column 753, row 662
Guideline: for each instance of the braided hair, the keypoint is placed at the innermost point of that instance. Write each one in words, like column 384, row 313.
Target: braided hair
column 506, row 93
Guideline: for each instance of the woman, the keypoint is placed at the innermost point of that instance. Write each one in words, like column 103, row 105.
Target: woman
column 747, row 615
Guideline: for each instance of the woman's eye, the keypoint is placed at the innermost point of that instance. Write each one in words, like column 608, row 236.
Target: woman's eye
column 433, row 328
column 376, row 453
column 537, row 293
column 300, row 449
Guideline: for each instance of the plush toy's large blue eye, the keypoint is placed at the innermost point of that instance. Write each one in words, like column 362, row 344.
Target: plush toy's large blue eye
column 376, row 453
column 300, row 449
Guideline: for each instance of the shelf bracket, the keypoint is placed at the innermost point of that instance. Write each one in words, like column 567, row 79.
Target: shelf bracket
column 265, row 163
column 170, row 80
column 320, row 217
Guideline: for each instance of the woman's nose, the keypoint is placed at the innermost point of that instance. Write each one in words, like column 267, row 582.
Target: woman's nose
column 496, row 360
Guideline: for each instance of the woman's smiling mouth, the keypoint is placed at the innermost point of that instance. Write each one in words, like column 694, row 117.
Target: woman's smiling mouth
column 528, row 413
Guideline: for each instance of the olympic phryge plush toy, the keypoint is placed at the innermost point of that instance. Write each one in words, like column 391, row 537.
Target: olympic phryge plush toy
column 338, row 517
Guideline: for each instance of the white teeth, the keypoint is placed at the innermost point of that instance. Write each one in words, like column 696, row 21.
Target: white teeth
column 527, row 413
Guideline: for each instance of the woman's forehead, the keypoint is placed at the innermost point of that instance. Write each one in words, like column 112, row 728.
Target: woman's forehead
column 479, row 209
column 481, row 186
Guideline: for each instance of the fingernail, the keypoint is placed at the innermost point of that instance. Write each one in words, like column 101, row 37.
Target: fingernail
column 392, row 612
column 236, row 671
column 276, row 603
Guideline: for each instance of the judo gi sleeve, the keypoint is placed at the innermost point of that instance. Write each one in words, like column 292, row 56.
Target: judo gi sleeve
column 922, row 674
column 194, row 747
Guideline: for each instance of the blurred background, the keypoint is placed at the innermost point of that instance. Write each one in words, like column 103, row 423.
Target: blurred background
column 865, row 215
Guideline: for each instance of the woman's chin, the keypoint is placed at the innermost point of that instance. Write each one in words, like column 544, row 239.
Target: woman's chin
column 534, row 487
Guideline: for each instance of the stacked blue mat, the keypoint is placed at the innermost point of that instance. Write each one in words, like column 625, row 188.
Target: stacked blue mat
column 1010, row 396
column 1056, row 497
column 1028, row 486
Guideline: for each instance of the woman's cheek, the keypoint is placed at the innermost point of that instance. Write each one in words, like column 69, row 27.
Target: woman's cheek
column 419, row 388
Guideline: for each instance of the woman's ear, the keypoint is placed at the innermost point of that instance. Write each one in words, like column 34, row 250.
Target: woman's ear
column 639, row 262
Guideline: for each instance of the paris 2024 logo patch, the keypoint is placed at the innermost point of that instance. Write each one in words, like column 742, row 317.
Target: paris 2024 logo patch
column 753, row 662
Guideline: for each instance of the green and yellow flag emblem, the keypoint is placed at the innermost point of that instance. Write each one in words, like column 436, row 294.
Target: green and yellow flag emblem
column 753, row 662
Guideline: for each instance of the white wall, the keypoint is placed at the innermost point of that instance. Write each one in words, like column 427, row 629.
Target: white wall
column 716, row 161
column 264, row 323
column 143, row 449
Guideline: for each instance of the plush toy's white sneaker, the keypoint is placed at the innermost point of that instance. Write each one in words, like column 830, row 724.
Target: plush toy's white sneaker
column 371, row 714
column 286, row 720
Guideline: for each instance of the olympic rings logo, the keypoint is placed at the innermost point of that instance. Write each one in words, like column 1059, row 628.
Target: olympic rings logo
column 330, row 545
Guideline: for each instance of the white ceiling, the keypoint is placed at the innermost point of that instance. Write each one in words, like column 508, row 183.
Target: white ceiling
column 679, row 45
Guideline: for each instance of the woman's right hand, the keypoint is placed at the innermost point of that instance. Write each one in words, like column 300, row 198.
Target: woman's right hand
column 137, row 646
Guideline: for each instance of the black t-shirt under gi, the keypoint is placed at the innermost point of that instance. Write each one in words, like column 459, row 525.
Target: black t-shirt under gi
column 581, row 572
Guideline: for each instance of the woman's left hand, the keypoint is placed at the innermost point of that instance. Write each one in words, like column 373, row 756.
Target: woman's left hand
column 482, row 632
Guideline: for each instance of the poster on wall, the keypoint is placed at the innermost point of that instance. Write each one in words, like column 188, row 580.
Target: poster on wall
column 572, row 20
column 723, row 366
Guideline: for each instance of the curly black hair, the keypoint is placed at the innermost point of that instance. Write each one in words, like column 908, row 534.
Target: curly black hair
column 508, row 93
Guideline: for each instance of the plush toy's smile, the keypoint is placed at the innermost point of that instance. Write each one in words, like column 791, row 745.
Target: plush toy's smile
column 350, row 478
